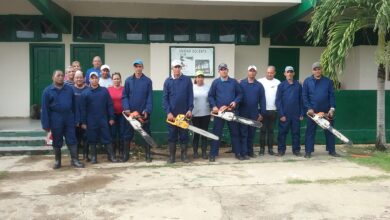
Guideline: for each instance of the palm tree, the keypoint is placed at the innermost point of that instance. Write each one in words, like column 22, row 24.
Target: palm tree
column 337, row 21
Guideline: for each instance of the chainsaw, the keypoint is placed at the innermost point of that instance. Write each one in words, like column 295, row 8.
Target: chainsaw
column 226, row 113
column 182, row 122
column 322, row 120
column 136, row 121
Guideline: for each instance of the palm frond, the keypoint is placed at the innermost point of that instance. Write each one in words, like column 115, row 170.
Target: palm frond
column 382, row 22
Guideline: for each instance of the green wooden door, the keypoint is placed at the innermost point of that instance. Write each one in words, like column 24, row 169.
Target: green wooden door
column 282, row 57
column 44, row 59
column 84, row 53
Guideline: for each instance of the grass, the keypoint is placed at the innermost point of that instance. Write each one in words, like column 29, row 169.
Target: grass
column 340, row 180
column 376, row 159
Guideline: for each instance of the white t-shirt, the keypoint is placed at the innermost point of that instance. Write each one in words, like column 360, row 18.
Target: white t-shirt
column 270, row 88
column 105, row 82
column 201, row 103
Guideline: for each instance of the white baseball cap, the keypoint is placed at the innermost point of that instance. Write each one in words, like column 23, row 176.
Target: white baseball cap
column 252, row 67
column 93, row 73
column 176, row 63
column 105, row 66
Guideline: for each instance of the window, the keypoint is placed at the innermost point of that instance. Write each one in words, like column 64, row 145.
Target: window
column 85, row 29
column 109, row 29
column 4, row 30
column 24, row 28
column 157, row 31
column 203, row 32
column 248, row 33
column 181, row 31
column 227, row 32
column 47, row 30
column 135, row 30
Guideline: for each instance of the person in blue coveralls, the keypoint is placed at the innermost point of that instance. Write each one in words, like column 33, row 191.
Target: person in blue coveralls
column 78, row 88
column 96, row 63
column 178, row 98
column 224, row 91
column 290, row 110
column 137, row 96
column 252, row 106
column 58, row 116
column 318, row 96
column 97, row 115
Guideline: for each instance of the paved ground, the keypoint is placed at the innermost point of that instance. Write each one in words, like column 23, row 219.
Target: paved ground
column 266, row 188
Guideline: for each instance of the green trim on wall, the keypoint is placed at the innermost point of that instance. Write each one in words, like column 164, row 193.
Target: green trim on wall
column 60, row 17
column 95, row 30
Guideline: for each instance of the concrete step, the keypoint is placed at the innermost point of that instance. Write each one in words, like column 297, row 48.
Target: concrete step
column 27, row 150
column 22, row 141
column 21, row 133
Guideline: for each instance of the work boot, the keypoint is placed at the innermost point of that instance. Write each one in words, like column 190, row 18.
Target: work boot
column 270, row 151
column 93, row 154
column 183, row 156
column 204, row 152
column 125, row 152
column 86, row 152
column 172, row 152
column 262, row 149
column 57, row 156
column 74, row 161
column 110, row 152
column 196, row 155
column 148, row 157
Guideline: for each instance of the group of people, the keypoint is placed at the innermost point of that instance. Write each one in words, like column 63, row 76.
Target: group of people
column 87, row 110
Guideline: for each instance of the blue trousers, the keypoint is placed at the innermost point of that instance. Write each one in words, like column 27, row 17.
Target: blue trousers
column 293, row 124
column 67, row 130
column 129, row 130
column 100, row 134
column 247, row 134
column 311, row 127
column 119, row 128
column 175, row 133
column 234, row 135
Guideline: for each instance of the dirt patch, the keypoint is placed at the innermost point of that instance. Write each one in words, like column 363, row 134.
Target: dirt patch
column 8, row 195
column 86, row 184
column 33, row 159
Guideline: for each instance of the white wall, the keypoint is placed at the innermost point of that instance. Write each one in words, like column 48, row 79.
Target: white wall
column 15, row 80
column 159, row 57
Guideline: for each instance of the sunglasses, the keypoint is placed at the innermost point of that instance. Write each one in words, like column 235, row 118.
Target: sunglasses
column 177, row 67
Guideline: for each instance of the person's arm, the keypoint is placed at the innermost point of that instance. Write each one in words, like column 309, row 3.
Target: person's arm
column 149, row 99
column 83, row 108
column 239, row 94
column 110, row 105
column 279, row 102
column 190, row 92
column 306, row 96
column 126, row 96
column 332, row 100
column 45, row 119
column 165, row 100
column 212, row 95
column 262, row 101
column 301, row 112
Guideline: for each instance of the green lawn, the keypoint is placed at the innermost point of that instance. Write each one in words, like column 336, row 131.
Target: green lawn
column 373, row 159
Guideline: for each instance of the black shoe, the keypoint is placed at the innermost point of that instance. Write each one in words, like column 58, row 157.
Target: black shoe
column 280, row 154
column 334, row 154
column 57, row 160
column 245, row 157
column 212, row 159
column 93, row 154
column 148, row 157
column 183, row 152
column 307, row 155
column 297, row 153
column 172, row 153
column 238, row 157
column 110, row 153
column 251, row 155
column 196, row 155
column 126, row 151
column 74, row 157
column 262, row 149
column 271, row 151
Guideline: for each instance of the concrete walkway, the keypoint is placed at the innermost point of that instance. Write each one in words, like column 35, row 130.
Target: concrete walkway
column 261, row 188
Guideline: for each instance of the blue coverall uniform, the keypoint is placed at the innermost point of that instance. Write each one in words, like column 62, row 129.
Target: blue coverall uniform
column 96, row 111
column 137, row 96
column 223, row 92
column 253, row 98
column 178, row 98
column 318, row 94
column 289, row 104
column 58, row 114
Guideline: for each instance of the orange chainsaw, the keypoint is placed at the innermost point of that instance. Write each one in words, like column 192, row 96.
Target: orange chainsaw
column 136, row 120
column 182, row 122
column 226, row 113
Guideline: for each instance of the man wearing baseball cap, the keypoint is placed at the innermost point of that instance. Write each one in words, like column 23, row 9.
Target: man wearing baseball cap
column 137, row 96
column 290, row 111
column 318, row 96
column 224, row 91
column 253, row 107
column 178, row 98
column 97, row 115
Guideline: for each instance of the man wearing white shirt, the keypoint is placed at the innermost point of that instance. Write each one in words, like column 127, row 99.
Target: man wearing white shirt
column 270, row 85
column 105, row 79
